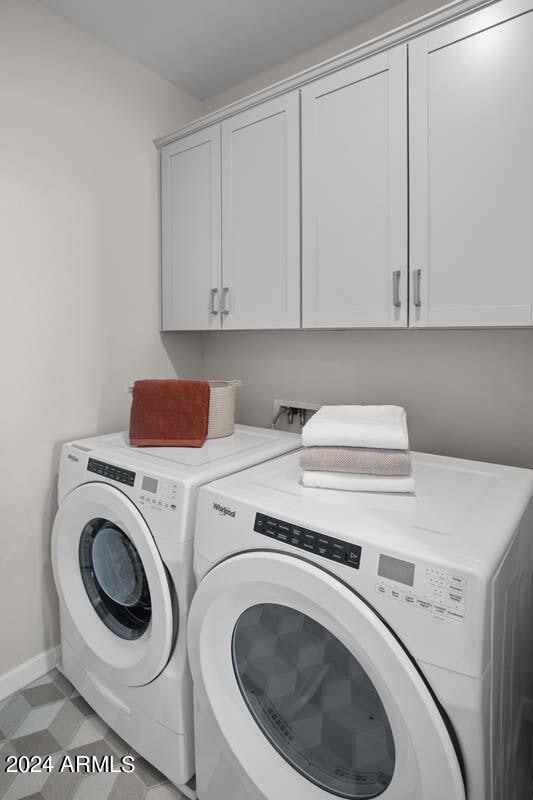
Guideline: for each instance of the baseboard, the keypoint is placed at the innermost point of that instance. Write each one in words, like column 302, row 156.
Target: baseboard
column 20, row 676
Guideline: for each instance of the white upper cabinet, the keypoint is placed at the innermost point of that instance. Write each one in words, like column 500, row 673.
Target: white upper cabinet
column 412, row 199
column 190, row 232
column 354, row 195
column 471, row 157
column 261, row 216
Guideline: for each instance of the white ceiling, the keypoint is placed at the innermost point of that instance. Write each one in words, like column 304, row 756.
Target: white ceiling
column 206, row 46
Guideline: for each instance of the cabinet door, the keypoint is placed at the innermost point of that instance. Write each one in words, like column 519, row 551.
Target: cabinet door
column 190, row 232
column 354, row 203
column 471, row 127
column 261, row 216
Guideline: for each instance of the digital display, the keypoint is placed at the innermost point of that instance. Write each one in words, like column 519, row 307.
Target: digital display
column 396, row 570
column 149, row 484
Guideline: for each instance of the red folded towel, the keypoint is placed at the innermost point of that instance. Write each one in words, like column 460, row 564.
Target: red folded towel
column 169, row 413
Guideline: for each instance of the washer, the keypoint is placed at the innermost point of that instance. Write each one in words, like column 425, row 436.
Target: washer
column 361, row 645
column 122, row 555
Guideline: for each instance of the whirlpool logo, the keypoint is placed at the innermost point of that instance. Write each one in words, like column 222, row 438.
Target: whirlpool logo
column 73, row 458
column 224, row 511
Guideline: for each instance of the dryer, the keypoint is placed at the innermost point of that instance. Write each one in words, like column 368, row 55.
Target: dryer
column 122, row 555
column 349, row 645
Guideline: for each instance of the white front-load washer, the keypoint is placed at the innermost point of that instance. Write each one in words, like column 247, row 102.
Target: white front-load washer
column 348, row 645
column 122, row 555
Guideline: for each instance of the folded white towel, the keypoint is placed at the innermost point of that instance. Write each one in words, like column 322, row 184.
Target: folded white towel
column 350, row 482
column 357, row 426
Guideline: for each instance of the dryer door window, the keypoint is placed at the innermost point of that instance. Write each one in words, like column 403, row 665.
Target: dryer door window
column 303, row 691
column 117, row 599
column 114, row 578
column 314, row 701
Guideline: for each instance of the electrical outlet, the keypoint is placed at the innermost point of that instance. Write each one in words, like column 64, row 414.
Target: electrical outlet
column 291, row 419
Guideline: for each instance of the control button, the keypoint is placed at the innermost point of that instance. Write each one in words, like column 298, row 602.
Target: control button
column 424, row 604
column 439, row 611
column 297, row 531
column 283, row 537
column 396, row 595
column 259, row 523
column 452, row 587
column 353, row 556
column 324, row 550
column 324, row 541
column 456, row 615
column 456, row 579
column 338, row 547
column 337, row 555
column 283, row 526
column 410, row 599
column 455, row 598
column 295, row 540
column 381, row 589
column 272, row 523
column 270, row 532
column 309, row 537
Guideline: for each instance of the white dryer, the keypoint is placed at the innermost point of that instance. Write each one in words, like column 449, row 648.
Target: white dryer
column 122, row 556
column 357, row 646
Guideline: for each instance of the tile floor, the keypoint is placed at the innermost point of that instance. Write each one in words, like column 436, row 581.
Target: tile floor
column 49, row 717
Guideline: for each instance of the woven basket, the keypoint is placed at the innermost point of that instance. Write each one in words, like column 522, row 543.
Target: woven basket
column 222, row 400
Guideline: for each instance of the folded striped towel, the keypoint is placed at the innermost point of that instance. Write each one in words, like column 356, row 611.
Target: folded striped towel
column 362, row 460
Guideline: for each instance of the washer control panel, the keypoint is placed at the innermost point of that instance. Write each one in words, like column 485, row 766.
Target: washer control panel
column 313, row 542
column 434, row 591
column 158, row 494
column 110, row 471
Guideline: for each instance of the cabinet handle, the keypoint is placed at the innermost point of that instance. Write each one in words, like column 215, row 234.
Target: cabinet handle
column 214, row 293
column 225, row 296
column 417, row 300
column 396, row 275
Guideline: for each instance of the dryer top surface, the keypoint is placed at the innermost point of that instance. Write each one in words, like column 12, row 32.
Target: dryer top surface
column 195, row 465
column 461, row 511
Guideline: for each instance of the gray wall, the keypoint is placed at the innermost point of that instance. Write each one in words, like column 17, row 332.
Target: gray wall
column 79, row 264
column 467, row 393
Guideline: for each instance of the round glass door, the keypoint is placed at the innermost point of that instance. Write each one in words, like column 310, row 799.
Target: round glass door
column 313, row 701
column 114, row 578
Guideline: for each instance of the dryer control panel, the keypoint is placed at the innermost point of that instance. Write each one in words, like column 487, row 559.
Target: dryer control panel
column 117, row 474
column 311, row 541
column 158, row 494
column 424, row 587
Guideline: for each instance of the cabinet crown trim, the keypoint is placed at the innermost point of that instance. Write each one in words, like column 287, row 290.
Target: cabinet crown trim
column 401, row 35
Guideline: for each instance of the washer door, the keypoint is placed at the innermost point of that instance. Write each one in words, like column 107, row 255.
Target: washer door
column 110, row 576
column 312, row 692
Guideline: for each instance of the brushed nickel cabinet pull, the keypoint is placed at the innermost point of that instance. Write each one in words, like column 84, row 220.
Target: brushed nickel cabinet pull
column 225, row 297
column 417, row 300
column 214, row 293
column 396, row 275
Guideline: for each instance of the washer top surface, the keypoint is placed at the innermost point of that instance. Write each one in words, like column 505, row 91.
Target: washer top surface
column 195, row 465
column 467, row 511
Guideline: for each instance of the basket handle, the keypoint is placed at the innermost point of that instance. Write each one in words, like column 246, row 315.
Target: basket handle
column 226, row 383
